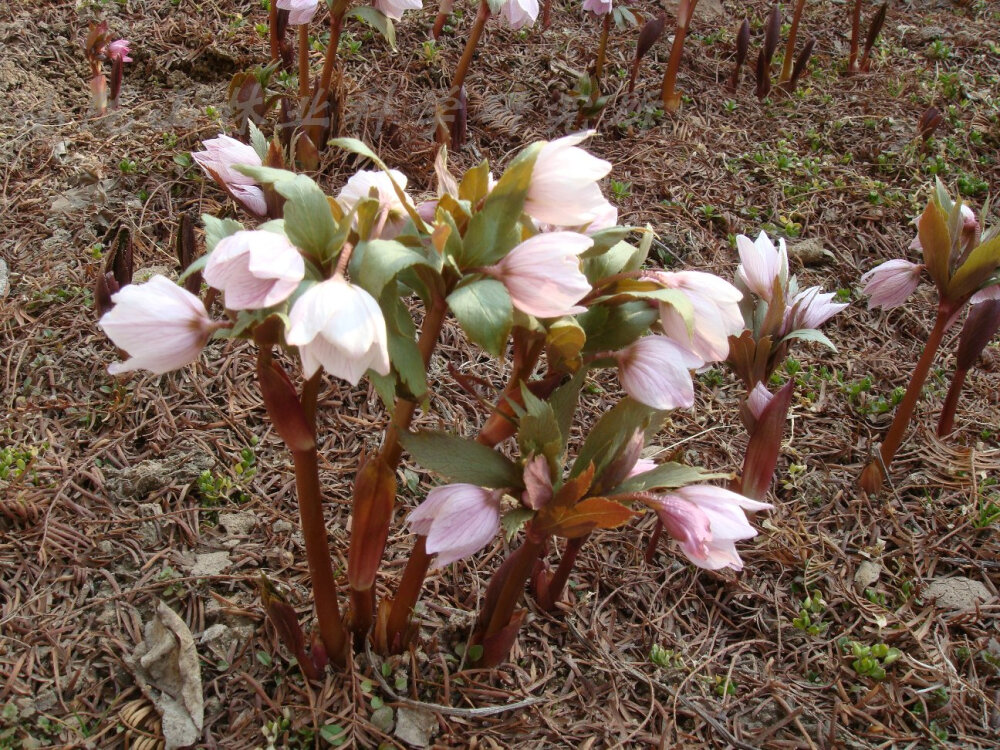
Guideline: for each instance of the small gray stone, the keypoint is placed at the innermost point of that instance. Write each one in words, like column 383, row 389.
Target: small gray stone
column 415, row 726
column 4, row 278
column 810, row 252
column 282, row 526
column 956, row 593
column 210, row 563
column 867, row 574
column 237, row 524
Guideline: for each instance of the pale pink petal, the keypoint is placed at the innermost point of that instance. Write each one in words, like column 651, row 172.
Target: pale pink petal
column 160, row 324
column 457, row 519
column 520, row 13
column 758, row 400
column 641, row 466
column 891, row 283
column 655, row 371
column 537, row 483
column 597, row 7
column 989, row 293
column 563, row 189
column 299, row 11
column 339, row 326
column 394, row 9
column 254, row 270
column 543, row 274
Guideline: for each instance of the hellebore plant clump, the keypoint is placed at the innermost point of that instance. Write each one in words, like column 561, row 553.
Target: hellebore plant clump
column 532, row 266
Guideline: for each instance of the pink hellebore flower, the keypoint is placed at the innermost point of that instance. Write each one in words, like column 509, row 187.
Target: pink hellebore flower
column 299, row 11
column 219, row 159
column 394, row 9
column 543, row 274
column 563, row 189
column 254, row 270
column 685, row 511
column 655, row 371
column 119, row 49
column 339, row 326
column 520, row 12
column 457, row 519
column 360, row 186
column 716, row 314
column 761, row 263
column 161, row 325
column 810, row 309
column 597, row 7
column 889, row 284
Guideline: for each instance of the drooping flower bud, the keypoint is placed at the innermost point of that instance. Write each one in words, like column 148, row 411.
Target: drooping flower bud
column 655, row 371
column 219, row 159
column 162, row 326
column 891, row 283
column 563, row 189
column 339, row 326
column 457, row 519
column 254, row 270
column 543, row 274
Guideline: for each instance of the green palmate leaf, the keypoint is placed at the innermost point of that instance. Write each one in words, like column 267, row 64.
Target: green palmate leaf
column 612, row 433
column 309, row 223
column 978, row 267
column 538, row 430
column 564, row 401
column 460, row 460
column 258, row 140
column 377, row 20
column 475, row 183
column 619, row 258
column 494, row 230
column 404, row 354
column 377, row 262
column 218, row 229
column 513, row 521
column 358, row 147
column 484, row 310
column 810, row 334
column 612, row 328
column 936, row 244
column 666, row 476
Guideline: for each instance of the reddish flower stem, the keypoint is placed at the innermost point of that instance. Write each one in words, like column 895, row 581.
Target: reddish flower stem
column 670, row 100
column 852, row 60
column 466, row 60
column 304, row 61
column 557, row 583
column 874, row 473
column 526, row 355
column 602, row 49
column 522, row 563
column 786, row 64
column 363, row 602
column 275, row 43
